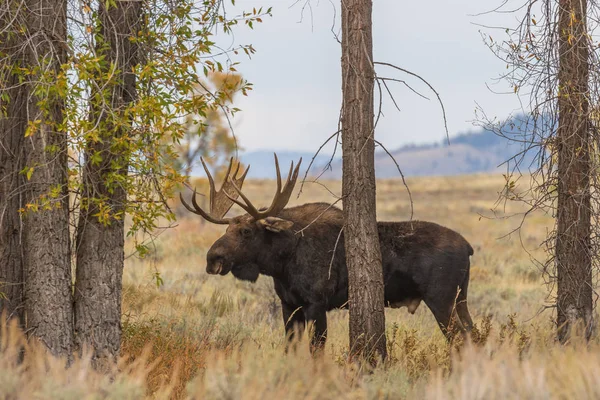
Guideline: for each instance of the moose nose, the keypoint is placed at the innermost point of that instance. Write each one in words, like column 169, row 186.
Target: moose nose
column 214, row 262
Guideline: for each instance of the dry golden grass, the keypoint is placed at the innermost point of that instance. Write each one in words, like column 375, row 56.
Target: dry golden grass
column 200, row 336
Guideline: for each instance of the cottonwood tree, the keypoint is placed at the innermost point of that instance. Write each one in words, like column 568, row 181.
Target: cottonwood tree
column 100, row 237
column 361, row 238
column 145, row 83
column 552, row 61
column 12, row 127
column 34, row 243
column 575, row 148
column 92, row 112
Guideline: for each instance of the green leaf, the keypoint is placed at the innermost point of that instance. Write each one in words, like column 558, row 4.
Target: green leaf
column 159, row 280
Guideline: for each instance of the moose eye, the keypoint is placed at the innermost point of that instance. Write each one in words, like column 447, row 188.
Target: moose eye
column 245, row 232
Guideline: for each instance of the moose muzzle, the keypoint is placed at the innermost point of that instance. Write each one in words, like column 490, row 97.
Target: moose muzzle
column 215, row 263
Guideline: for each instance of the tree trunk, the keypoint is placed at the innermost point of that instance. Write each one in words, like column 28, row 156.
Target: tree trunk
column 46, row 261
column 573, row 250
column 100, row 244
column 363, row 255
column 12, row 127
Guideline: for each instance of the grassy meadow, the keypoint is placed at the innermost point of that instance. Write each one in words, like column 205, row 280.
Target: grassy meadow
column 211, row 337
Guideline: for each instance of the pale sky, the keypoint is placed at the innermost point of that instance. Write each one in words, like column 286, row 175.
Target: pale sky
column 296, row 71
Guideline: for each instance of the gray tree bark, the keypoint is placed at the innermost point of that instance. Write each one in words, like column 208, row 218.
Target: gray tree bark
column 46, row 248
column 573, row 241
column 13, row 122
column 363, row 255
column 100, row 246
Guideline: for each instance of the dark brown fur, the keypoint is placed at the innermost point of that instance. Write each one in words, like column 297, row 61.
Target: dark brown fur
column 422, row 261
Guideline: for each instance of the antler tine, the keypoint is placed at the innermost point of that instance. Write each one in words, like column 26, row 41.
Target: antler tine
column 229, row 171
column 248, row 207
column 277, row 172
column 239, row 181
column 199, row 211
column 287, row 181
column 228, row 174
column 282, row 198
column 211, row 182
column 186, row 205
column 205, row 215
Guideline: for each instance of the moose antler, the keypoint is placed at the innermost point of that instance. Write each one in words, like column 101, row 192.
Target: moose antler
column 221, row 201
column 281, row 197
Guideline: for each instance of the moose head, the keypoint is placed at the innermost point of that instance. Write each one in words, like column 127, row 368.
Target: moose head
column 254, row 240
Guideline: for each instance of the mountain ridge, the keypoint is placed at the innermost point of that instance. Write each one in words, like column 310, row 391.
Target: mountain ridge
column 468, row 153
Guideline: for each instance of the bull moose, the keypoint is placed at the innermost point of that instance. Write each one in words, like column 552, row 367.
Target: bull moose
column 302, row 249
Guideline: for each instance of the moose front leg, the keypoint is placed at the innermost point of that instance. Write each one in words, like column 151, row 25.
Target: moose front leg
column 294, row 322
column 318, row 316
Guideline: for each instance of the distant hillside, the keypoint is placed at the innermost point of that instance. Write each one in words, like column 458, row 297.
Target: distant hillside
column 468, row 153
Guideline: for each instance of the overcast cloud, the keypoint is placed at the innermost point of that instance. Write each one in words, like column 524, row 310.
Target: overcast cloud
column 297, row 81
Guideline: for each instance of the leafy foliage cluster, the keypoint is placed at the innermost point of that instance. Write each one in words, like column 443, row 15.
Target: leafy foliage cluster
column 173, row 106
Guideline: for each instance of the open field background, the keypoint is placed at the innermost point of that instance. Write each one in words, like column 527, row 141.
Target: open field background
column 224, row 317
column 215, row 337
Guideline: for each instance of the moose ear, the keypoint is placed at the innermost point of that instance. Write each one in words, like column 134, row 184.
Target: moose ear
column 275, row 224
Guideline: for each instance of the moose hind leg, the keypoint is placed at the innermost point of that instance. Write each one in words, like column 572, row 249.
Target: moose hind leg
column 463, row 313
column 461, row 304
column 447, row 318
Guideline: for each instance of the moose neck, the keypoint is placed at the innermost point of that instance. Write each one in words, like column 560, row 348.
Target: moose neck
column 273, row 262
